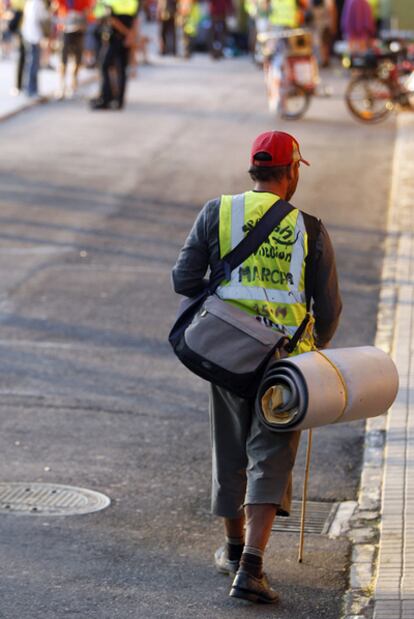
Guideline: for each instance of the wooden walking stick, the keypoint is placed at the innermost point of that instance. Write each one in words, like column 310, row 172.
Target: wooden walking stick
column 304, row 497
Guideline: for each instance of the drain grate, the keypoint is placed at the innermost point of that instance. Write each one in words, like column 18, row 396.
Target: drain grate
column 49, row 499
column 319, row 517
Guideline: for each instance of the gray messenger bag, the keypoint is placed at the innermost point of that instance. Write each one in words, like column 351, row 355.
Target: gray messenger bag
column 221, row 343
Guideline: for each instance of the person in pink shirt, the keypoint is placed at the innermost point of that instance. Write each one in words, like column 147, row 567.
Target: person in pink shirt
column 358, row 26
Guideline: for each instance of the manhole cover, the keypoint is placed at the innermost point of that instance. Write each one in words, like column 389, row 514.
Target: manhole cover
column 319, row 516
column 50, row 499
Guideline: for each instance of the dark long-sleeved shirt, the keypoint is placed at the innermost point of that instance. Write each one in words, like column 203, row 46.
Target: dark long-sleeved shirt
column 202, row 251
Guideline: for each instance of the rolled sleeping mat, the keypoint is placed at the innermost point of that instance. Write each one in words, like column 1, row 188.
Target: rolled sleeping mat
column 319, row 388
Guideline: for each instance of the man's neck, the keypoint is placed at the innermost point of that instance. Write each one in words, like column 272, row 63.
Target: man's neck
column 279, row 189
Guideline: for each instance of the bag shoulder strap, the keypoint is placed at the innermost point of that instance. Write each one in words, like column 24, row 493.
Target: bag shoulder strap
column 251, row 241
column 313, row 228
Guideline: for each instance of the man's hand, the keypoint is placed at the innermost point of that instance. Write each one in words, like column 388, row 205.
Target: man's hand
column 128, row 33
column 130, row 39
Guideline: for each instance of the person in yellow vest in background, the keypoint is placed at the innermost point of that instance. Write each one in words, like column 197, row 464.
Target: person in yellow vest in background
column 252, row 466
column 284, row 15
column 119, row 34
column 188, row 19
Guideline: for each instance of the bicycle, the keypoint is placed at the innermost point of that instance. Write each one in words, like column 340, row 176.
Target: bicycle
column 383, row 82
column 290, row 71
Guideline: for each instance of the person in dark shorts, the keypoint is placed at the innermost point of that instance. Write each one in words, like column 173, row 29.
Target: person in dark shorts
column 73, row 22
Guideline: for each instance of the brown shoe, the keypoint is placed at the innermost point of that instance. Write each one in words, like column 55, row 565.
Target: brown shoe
column 248, row 587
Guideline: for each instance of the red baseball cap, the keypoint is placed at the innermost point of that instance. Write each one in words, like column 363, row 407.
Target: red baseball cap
column 282, row 148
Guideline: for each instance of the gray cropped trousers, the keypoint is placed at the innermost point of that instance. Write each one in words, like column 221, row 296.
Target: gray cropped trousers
column 251, row 464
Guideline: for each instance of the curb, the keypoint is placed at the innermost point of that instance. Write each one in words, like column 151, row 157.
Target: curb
column 364, row 529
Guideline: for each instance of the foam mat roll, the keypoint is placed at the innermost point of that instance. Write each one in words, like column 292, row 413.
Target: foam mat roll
column 319, row 388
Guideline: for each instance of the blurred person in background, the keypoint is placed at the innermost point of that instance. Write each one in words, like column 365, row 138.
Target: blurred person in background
column 36, row 20
column 250, row 8
column 166, row 14
column 149, row 8
column 90, row 44
column 119, row 33
column 188, row 18
column 48, row 40
column 220, row 10
column 287, row 13
column 357, row 24
column 258, row 22
column 323, row 20
column 73, row 21
column 6, row 15
column 15, row 27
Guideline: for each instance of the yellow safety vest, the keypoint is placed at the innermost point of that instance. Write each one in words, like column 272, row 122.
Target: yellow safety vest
column 123, row 7
column 270, row 284
column 250, row 6
column 284, row 13
column 100, row 10
column 17, row 5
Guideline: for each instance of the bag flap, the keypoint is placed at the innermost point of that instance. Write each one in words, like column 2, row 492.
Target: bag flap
column 241, row 320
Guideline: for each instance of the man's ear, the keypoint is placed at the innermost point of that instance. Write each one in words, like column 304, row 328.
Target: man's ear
column 289, row 172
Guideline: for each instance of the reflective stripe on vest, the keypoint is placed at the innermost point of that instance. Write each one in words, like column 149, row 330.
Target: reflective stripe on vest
column 271, row 282
column 284, row 13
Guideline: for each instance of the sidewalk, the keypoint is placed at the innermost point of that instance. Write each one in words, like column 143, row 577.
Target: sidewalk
column 48, row 86
column 382, row 529
column 394, row 588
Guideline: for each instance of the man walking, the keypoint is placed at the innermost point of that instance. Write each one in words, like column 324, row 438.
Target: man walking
column 252, row 467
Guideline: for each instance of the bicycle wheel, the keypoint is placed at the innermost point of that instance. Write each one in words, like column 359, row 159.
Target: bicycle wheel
column 294, row 102
column 369, row 98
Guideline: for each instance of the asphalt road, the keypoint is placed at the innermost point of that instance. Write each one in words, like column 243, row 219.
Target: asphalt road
column 93, row 210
